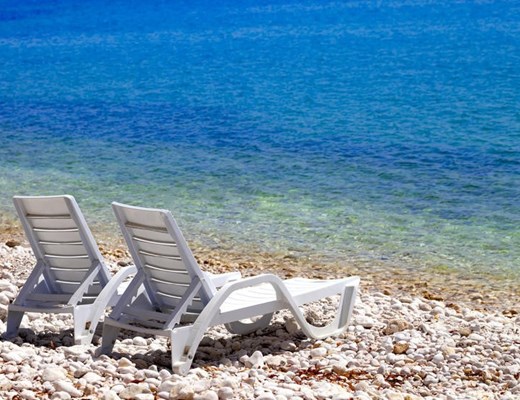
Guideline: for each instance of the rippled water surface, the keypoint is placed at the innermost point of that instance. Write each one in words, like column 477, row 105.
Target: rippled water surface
column 345, row 130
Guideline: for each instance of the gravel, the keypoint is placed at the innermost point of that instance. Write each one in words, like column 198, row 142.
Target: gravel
column 396, row 347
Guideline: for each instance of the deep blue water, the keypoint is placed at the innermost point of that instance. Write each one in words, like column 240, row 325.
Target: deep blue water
column 346, row 130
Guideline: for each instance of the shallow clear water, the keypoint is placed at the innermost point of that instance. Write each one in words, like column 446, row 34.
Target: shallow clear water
column 343, row 130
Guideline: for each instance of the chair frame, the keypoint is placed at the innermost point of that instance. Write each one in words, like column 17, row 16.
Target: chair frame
column 234, row 303
column 41, row 292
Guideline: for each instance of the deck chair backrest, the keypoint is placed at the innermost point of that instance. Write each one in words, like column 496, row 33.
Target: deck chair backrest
column 62, row 242
column 162, row 255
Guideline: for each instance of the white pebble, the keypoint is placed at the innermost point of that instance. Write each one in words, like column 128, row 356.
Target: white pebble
column 67, row 386
column 207, row 395
column 109, row 395
column 318, row 352
column 139, row 341
column 52, row 374
column 61, row 396
column 225, row 393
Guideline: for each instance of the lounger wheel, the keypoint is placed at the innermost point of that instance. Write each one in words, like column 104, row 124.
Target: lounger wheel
column 245, row 328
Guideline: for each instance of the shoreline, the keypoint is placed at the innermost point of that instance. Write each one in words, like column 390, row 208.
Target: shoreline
column 482, row 291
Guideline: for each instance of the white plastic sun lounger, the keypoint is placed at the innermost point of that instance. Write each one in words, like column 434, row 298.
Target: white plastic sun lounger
column 171, row 296
column 70, row 275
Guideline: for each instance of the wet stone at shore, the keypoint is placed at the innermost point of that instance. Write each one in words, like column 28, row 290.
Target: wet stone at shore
column 398, row 346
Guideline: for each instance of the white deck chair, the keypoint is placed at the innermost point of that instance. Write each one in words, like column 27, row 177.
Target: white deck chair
column 171, row 296
column 70, row 275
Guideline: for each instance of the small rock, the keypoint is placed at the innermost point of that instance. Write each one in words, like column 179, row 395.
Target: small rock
column 225, row 393
column 68, row 387
column 12, row 243
column 291, row 326
column 124, row 363
column 318, row 352
column 256, row 360
column 340, row 369
column 110, row 395
column 288, row 346
column 139, row 341
column 28, row 395
column 400, row 347
column 265, row 396
column 52, row 374
column 365, row 322
column 464, row 331
column 207, row 395
column 430, row 379
column 144, row 396
column 476, row 337
column 396, row 325
column 60, row 396
column 4, row 299
column 432, row 296
column 438, row 358
column 92, row 377
column 182, row 391
column 134, row 389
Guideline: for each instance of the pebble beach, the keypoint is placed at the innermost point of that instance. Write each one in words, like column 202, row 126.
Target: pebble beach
column 400, row 344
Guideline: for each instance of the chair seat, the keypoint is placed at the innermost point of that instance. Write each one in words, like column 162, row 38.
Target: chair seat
column 302, row 291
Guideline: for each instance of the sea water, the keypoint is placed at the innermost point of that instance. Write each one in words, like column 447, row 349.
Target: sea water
column 341, row 130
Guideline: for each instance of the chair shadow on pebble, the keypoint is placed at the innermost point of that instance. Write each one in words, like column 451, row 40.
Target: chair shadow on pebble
column 44, row 338
column 213, row 352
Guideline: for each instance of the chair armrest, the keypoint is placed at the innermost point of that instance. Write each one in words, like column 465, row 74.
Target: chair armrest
column 220, row 280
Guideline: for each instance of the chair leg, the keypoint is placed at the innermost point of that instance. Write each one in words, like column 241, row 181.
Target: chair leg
column 84, row 326
column 244, row 328
column 338, row 325
column 184, row 343
column 108, row 339
column 14, row 319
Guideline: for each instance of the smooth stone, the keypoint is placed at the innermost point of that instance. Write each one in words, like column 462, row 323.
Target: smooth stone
column 291, row 326
column 132, row 390
column 52, row 374
column 118, row 388
column 207, row 395
column 265, row 396
column 400, row 347
column 124, row 363
column 61, row 396
column 28, row 395
column 430, row 379
column 92, row 377
column 256, row 360
column 438, row 358
column 139, row 341
column 288, row 346
column 67, row 386
column 14, row 356
column 144, row 396
column 22, row 384
column 225, row 393
column 109, row 395
column 318, row 352
column 476, row 337
column 167, row 386
column 396, row 325
column 365, row 322
column 4, row 299
column 181, row 391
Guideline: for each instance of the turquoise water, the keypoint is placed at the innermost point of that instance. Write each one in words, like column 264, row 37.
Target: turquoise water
column 385, row 131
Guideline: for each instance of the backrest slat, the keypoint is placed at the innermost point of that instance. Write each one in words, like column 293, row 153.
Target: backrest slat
column 161, row 252
column 61, row 240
